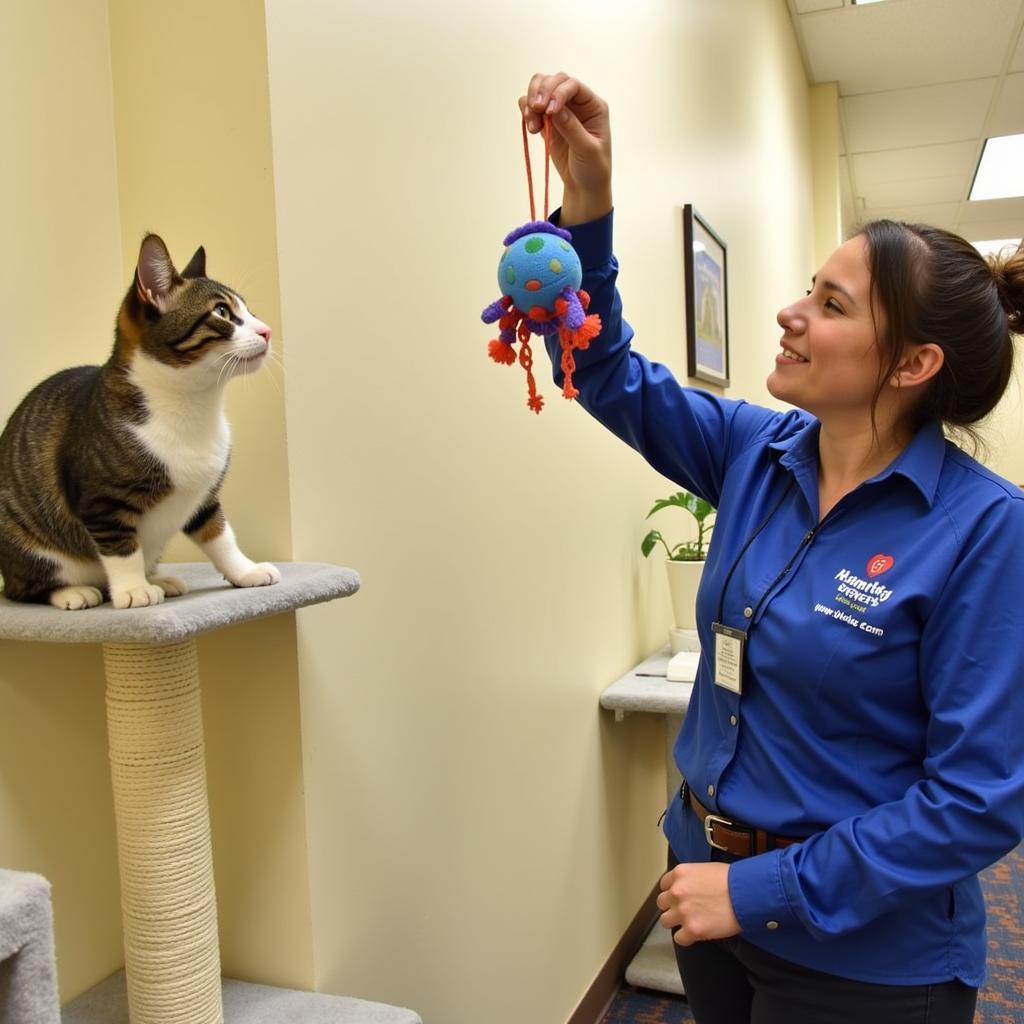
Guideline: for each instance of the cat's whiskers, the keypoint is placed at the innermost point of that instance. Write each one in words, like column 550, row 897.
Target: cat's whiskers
column 274, row 383
column 230, row 358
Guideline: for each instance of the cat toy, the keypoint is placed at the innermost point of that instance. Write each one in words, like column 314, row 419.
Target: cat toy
column 539, row 275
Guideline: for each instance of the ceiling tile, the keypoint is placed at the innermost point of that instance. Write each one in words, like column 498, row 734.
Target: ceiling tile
column 1018, row 57
column 920, row 162
column 981, row 231
column 916, row 191
column 951, row 112
column 1008, row 116
column 896, row 45
column 807, row 6
column 990, row 211
column 941, row 215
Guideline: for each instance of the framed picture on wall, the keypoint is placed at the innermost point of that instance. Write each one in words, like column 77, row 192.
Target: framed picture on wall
column 707, row 307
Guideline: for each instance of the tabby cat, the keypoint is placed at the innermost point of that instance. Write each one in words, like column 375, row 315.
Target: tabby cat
column 101, row 465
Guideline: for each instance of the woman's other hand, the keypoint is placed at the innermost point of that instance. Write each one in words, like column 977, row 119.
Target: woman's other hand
column 695, row 898
column 581, row 144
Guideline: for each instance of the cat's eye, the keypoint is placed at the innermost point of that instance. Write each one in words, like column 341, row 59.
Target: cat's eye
column 222, row 309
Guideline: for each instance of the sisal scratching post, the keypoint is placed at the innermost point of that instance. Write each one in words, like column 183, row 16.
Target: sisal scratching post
column 158, row 771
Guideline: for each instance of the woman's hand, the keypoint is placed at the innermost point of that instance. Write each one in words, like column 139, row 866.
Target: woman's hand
column 695, row 897
column 581, row 143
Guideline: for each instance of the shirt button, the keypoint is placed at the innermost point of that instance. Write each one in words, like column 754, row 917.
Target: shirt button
column 733, row 719
column 772, row 925
column 711, row 790
column 748, row 612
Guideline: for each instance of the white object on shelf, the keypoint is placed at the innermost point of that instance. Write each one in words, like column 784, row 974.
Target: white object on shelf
column 682, row 667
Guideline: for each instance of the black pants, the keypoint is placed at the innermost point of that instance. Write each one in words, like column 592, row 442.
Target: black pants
column 732, row 981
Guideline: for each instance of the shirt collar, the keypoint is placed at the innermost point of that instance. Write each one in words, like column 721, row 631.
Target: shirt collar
column 920, row 462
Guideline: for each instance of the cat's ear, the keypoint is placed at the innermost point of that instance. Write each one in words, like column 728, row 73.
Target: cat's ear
column 155, row 275
column 196, row 266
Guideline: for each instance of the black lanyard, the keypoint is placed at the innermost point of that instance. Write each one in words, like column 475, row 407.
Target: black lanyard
column 750, row 540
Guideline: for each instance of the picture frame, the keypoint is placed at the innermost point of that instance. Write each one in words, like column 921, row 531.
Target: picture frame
column 707, row 300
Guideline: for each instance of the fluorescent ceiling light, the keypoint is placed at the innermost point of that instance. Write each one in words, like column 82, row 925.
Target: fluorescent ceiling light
column 857, row 3
column 1000, row 173
column 993, row 246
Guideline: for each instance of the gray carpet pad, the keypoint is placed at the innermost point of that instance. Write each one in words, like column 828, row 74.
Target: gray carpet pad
column 107, row 1003
column 211, row 603
column 28, row 972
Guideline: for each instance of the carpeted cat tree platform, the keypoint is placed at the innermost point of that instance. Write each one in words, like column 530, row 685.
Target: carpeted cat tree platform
column 158, row 771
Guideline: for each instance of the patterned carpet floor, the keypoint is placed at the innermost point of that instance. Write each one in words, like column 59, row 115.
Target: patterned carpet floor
column 1000, row 1001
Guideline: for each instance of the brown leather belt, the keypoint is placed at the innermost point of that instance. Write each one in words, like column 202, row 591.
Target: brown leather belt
column 733, row 836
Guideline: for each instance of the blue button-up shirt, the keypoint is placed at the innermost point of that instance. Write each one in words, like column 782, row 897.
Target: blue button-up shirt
column 881, row 713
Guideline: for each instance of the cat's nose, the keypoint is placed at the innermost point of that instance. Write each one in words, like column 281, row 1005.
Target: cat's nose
column 263, row 331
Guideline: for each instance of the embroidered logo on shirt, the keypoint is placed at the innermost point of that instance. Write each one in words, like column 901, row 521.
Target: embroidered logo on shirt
column 868, row 593
column 858, row 595
column 877, row 564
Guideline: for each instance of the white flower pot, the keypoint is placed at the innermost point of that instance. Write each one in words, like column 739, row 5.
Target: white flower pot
column 683, row 580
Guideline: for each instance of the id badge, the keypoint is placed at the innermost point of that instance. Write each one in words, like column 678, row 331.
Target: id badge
column 729, row 644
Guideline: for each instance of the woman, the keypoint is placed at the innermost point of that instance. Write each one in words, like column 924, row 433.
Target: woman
column 853, row 749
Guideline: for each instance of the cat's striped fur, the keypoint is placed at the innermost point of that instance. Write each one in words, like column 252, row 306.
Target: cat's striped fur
column 101, row 465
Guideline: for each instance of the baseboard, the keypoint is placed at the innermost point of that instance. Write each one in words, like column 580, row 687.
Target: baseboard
column 594, row 1004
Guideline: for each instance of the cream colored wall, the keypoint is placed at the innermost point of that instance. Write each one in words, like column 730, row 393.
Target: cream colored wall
column 828, row 214
column 194, row 165
column 480, row 833
column 62, row 270
column 1003, row 430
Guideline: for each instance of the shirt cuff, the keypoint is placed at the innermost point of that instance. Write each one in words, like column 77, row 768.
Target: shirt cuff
column 592, row 240
column 758, row 896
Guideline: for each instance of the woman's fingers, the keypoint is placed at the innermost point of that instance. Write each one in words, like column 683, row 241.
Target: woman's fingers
column 540, row 94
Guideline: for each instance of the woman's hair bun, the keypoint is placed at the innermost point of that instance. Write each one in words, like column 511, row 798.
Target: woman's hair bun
column 1008, row 271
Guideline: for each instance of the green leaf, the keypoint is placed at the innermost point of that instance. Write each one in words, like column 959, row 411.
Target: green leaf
column 647, row 544
column 703, row 513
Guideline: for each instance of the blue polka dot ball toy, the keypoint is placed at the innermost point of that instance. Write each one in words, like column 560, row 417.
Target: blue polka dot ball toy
column 536, row 267
column 539, row 275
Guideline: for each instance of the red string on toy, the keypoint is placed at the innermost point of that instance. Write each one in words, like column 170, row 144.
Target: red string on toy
column 547, row 165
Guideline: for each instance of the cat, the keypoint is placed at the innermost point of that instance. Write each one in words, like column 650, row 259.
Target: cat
column 101, row 465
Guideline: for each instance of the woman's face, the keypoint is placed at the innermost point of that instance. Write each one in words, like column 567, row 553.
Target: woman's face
column 830, row 359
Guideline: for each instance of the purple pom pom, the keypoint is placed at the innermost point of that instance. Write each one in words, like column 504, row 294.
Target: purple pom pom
column 574, row 315
column 495, row 311
column 536, row 227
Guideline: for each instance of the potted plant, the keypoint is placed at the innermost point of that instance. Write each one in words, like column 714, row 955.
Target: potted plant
column 685, row 560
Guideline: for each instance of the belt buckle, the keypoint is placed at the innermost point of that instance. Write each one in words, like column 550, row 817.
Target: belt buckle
column 709, row 823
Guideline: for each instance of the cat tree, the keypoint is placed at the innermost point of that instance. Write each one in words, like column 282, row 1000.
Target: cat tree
column 158, row 773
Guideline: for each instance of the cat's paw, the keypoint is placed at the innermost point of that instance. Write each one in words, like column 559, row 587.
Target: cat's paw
column 170, row 585
column 74, row 599
column 262, row 574
column 137, row 597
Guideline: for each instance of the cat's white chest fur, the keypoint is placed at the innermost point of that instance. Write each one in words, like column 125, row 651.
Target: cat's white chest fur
column 188, row 433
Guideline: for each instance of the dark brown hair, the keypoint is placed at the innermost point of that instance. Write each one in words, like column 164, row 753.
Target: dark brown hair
column 933, row 286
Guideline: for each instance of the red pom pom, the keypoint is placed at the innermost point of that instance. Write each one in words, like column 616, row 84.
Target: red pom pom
column 590, row 328
column 535, row 402
column 501, row 353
